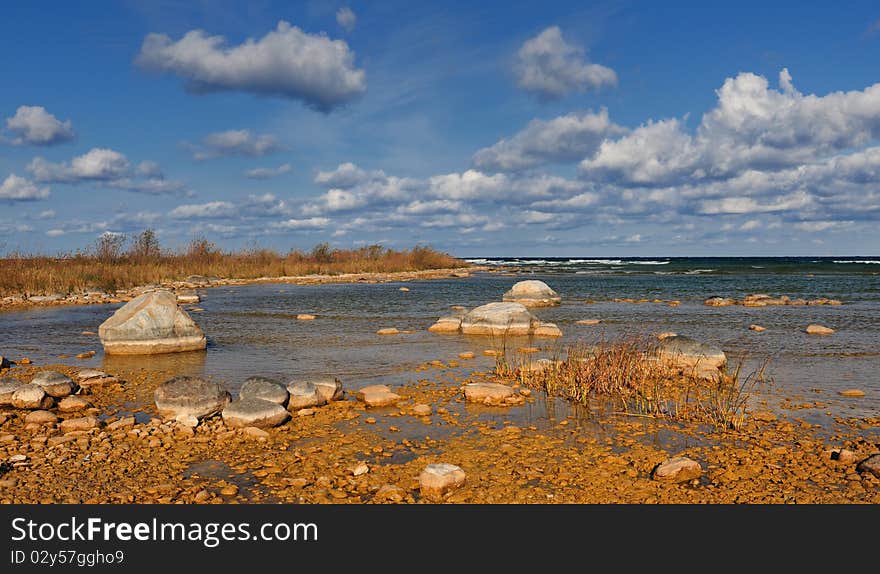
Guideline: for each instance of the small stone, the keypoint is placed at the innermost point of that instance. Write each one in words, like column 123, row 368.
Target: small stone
column 487, row 393
column 377, row 396
column 80, row 424
column 871, row 464
column 422, row 410
column 122, row 423
column 764, row 416
column 187, row 420
column 678, row 469
column 388, row 331
column 370, row 421
column 88, row 333
column 360, row 469
column 255, row 432
column 588, row 322
column 25, row 361
column 466, row 355
column 390, row 493
column 818, row 330
column 855, row 393
column 305, row 317
column 843, row 455
column 72, row 404
column 202, row 496
column 404, row 289
column 40, row 418
column 757, row 328
column 306, row 412
column 438, row 479
column 491, row 352
column 229, row 490
column 86, row 355
column 17, row 458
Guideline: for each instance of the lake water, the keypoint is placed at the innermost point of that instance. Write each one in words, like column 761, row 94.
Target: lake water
column 253, row 329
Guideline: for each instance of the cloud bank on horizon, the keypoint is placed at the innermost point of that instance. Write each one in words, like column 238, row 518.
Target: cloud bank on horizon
column 559, row 165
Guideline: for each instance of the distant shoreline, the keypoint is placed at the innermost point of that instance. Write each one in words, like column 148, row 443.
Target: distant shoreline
column 181, row 287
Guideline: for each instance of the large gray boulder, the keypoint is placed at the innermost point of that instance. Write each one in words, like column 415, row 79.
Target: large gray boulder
column 532, row 293
column 512, row 319
column 304, row 395
column 691, row 356
column 330, row 388
column 31, row 397
column 185, row 396
column 264, row 389
column 149, row 324
column 254, row 413
column 8, row 386
column 55, row 384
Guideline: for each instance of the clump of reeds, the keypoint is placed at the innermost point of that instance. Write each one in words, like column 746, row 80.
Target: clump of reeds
column 627, row 374
column 117, row 262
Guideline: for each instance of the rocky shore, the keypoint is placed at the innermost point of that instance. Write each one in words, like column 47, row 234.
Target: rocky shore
column 434, row 442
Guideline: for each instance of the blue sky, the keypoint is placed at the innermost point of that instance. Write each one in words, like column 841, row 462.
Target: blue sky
column 490, row 128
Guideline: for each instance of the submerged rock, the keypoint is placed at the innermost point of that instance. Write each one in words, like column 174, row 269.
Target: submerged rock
column 436, row 480
column 488, row 393
column 691, row 356
column 149, row 324
column 252, row 412
column 818, row 330
column 532, row 293
column 506, row 319
column 190, row 396
column 377, row 396
column 446, row 325
column 264, row 389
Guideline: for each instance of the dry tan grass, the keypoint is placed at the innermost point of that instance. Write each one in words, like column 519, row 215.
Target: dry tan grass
column 625, row 374
column 109, row 266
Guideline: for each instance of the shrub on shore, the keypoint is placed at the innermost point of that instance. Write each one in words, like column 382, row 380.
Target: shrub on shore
column 626, row 375
column 108, row 265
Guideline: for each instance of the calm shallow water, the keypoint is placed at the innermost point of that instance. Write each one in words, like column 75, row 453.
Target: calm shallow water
column 252, row 329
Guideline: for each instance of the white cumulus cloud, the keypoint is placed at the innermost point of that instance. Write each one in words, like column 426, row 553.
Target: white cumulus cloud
column 287, row 62
column 551, row 68
column 17, row 188
column 34, row 125
column 567, row 138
